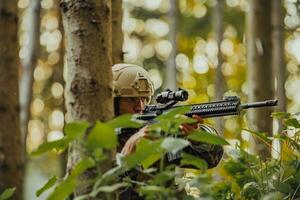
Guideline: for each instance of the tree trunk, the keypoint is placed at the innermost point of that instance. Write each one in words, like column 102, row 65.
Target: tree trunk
column 170, row 71
column 278, row 62
column 219, row 78
column 87, row 26
column 29, row 64
column 117, row 34
column 58, row 67
column 11, row 149
column 57, row 77
column 278, row 57
column 260, row 73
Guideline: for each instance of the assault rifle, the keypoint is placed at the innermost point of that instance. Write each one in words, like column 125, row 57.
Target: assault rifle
column 231, row 105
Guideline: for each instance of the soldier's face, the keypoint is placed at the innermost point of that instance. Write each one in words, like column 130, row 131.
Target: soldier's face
column 132, row 105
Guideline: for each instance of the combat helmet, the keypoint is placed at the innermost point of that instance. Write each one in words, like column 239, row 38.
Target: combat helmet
column 131, row 80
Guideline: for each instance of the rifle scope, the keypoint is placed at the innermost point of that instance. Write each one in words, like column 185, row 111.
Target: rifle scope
column 168, row 95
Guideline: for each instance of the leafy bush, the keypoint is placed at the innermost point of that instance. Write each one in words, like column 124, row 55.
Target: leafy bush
column 245, row 176
column 239, row 176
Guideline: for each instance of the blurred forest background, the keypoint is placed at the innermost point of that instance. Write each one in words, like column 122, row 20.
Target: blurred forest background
column 198, row 45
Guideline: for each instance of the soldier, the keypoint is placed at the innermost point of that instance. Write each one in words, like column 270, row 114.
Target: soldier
column 132, row 91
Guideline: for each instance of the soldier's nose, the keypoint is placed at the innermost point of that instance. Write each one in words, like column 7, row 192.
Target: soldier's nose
column 140, row 105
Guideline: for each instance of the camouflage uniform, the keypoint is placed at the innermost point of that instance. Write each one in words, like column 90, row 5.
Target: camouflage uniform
column 133, row 81
column 212, row 154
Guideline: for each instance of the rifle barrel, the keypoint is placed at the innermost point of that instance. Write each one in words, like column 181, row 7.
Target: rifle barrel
column 272, row 102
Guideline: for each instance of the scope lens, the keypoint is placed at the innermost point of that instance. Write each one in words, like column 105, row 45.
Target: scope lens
column 181, row 95
column 167, row 96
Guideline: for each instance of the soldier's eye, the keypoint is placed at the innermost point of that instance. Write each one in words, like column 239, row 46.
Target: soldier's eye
column 133, row 99
column 146, row 100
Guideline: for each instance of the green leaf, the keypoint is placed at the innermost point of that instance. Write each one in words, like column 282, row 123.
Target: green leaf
column 124, row 121
column 294, row 143
column 284, row 188
column 173, row 112
column 273, row 196
column 292, row 122
column 188, row 159
column 162, row 178
column 48, row 185
column 161, row 126
column 251, row 190
column 76, row 130
column 48, row 146
column 173, row 145
column 279, row 115
column 151, row 159
column 65, row 188
column 102, row 136
column 169, row 122
column 82, row 166
column 145, row 148
column 203, row 136
column 261, row 136
column 153, row 189
column 99, row 155
column 7, row 193
column 110, row 188
column 182, row 119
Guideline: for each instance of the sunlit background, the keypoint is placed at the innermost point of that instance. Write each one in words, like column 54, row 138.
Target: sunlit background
column 147, row 42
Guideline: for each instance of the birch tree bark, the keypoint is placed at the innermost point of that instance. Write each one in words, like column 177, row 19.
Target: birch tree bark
column 260, row 73
column 29, row 63
column 58, row 67
column 87, row 26
column 117, row 33
column 57, row 77
column 219, row 78
column 11, row 147
column 278, row 57
column 170, row 71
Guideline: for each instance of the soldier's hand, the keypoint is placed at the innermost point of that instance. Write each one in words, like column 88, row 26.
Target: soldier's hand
column 130, row 145
column 188, row 128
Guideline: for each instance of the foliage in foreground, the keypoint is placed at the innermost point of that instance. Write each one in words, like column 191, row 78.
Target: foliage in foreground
column 239, row 176
column 8, row 193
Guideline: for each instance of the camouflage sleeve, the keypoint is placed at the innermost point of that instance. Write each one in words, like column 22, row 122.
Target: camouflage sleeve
column 123, row 135
column 212, row 154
